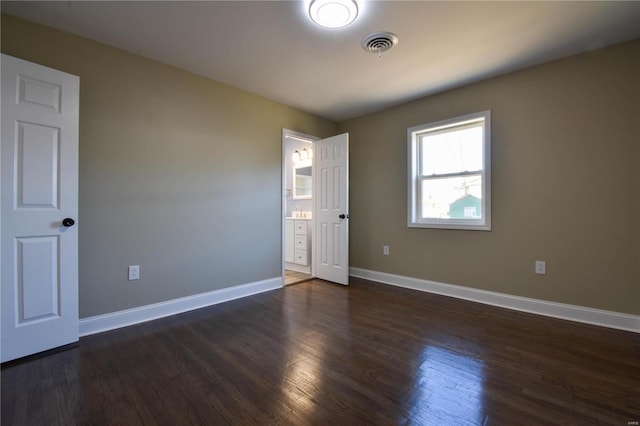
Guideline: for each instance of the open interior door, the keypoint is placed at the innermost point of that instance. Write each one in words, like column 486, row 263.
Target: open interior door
column 38, row 208
column 331, row 209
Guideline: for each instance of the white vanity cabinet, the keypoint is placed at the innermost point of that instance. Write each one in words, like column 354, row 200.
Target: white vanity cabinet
column 298, row 244
column 302, row 240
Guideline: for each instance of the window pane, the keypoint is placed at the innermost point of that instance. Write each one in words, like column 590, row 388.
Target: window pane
column 452, row 198
column 452, row 151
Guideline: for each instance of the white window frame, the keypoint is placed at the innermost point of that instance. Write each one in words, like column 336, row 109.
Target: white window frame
column 415, row 179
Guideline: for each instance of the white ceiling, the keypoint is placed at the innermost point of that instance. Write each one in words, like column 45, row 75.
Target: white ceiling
column 272, row 48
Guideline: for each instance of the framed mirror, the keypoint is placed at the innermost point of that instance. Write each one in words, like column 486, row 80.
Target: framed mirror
column 302, row 182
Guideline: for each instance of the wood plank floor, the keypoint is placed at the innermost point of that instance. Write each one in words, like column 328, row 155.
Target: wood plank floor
column 322, row 354
column 294, row 277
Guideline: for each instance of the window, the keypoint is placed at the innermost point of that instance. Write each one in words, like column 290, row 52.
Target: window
column 450, row 173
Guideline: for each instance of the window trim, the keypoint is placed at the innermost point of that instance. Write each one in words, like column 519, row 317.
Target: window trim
column 415, row 178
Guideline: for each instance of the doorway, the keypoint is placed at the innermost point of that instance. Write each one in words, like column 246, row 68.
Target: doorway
column 297, row 207
column 315, row 206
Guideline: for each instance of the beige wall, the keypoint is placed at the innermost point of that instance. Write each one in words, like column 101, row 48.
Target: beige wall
column 178, row 173
column 566, row 185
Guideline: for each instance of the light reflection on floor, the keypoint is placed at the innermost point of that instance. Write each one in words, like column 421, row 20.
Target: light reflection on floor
column 448, row 387
column 309, row 334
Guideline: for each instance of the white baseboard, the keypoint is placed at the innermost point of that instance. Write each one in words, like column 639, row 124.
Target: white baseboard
column 582, row 314
column 113, row 320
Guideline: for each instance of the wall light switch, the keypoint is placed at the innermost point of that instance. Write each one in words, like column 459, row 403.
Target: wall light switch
column 385, row 250
column 134, row 272
column 541, row 267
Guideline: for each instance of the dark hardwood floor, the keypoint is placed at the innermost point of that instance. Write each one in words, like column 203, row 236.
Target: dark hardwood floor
column 322, row 354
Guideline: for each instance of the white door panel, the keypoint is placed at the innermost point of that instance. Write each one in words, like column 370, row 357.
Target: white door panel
column 37, row 166
column 37, row 278
column 39, row 188
column 331, row 214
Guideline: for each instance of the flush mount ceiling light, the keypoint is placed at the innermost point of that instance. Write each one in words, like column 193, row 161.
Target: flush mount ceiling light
column 333, row 13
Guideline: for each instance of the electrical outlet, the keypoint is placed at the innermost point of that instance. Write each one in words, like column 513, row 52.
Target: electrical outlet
column 541, row 267
column 385, row 250
column 134, row 272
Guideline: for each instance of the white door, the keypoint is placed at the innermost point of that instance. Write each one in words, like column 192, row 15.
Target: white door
column 331, row 209
column 38, row 205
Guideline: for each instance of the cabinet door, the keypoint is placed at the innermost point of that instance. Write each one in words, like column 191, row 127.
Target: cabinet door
column 289, row 241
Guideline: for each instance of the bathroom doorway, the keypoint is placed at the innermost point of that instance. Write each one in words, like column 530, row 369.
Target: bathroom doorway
column 297, row 207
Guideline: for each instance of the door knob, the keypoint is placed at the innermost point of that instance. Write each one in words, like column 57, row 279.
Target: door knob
column 344, row 216
column 68, row 222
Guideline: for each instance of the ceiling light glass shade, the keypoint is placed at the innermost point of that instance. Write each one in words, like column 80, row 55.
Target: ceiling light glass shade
column 333, row 13
column 296, row 156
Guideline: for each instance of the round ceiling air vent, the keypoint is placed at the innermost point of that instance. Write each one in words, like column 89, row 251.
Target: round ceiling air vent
column 379, row 42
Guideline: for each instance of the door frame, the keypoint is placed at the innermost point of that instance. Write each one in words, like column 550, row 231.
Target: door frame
column 292, row 134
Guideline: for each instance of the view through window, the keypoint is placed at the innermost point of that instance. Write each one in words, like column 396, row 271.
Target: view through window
column 450, row 173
